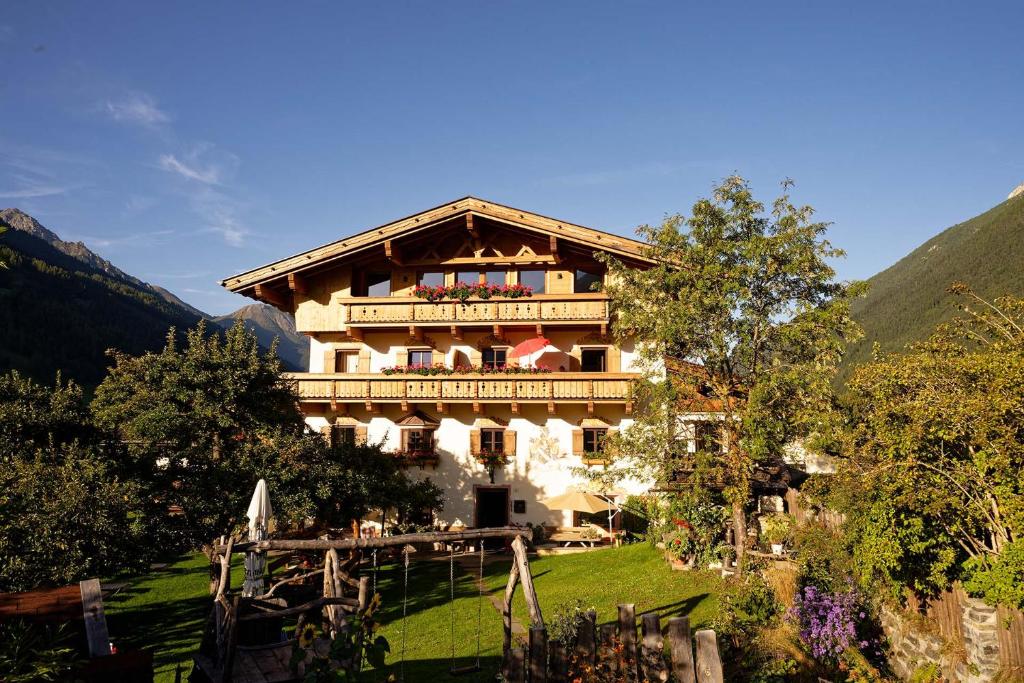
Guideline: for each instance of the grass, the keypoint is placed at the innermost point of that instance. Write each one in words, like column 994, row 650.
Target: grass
column 166, row 609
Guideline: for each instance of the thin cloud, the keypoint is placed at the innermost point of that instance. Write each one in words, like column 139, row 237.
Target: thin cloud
column 137, row 108
column 34, row 191
column 209, row 175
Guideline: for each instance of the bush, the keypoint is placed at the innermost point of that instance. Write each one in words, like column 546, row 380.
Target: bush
column 823, row 556
column 566, row 621
column 35, row 652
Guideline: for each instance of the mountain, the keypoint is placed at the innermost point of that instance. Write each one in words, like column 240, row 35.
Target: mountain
column 907, row 300
column 19, row 220
column 62, row 306
column 267, row 323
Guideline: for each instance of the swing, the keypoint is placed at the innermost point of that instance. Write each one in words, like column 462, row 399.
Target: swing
column 469, row 668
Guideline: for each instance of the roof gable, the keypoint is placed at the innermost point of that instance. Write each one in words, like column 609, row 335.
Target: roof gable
column 411, row 225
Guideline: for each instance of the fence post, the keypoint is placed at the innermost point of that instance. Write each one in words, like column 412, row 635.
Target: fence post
column 606, row 651
column 627, row 636
column 558, row 667
column 586, row 648
column 681, row 649
column 517, row 665
column 709, row 663
column 538, row 654
column 652, row 662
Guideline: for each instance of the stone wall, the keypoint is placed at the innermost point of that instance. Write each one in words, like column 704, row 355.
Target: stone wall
column 963, row 640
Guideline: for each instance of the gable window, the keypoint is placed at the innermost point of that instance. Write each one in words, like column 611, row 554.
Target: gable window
column 593, row 440
column 470, row 277
column 593, row 360
column 422, row 358
column 586, row 281
column 534, row 279
column 494, row 358
column 342, row 435
column 431, row 279
column 492, row 440
column 374, row 283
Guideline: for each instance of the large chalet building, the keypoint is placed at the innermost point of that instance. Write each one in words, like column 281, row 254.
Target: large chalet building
column 402, row 356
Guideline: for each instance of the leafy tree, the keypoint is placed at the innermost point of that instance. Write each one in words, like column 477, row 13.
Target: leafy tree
column 202, row 424
column 743, row 312
column 933, row 487
column 66, row 509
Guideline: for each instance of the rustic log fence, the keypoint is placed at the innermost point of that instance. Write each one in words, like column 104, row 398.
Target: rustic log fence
column 613, row 652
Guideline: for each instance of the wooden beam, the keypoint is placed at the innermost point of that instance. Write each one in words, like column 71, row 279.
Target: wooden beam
column 476, row 407
column 590, row 408
column 442, row 408
column 456, row 333
column 540, row 329
column 355, row 333
column 470, row 227
column 272, row 297
column 378, row 541
column 551, row 407
column 297, row 283
column 392, row 252
column 532, row 259
column 515, row 407
column 416, row 332
column 405, row 406
column 498, row 331
column 553, row 244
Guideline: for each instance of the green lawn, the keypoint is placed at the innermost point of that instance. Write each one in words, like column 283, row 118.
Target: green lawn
column 166, row 609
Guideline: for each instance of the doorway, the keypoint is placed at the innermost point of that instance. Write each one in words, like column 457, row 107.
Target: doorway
column 492, row 506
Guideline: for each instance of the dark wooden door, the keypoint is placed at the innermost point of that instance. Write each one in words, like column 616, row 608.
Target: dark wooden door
column 492, row 506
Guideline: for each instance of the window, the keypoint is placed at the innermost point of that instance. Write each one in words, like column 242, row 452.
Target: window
column 585, row 281
column 533, row 279
column 431, row 279
column 592, row 360
column 707, row 436
column 494, row 358
column 421, row 358
column 470, row 277
column 593, row 440
column 346, row 361
column 494, row 277
column 418, row 440
column 492, row 440
column 342, row 435
column 372, row 284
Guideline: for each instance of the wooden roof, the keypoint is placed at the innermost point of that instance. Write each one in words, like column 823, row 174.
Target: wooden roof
column 411, row 225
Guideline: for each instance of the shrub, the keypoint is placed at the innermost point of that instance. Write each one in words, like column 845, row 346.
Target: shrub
column 566, row 621
column 831, row 623
column 35, row 652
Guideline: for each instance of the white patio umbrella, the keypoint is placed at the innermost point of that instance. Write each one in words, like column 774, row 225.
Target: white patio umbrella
column 581, row 501
column 259, row 515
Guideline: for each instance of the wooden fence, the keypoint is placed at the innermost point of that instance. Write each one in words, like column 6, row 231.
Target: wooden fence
column 797, row 506
column 614, row 652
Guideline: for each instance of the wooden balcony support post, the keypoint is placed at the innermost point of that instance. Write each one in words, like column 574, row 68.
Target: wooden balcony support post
column 355, row 333
column 442, row 407
column 540, row 329
column 416, row 332
column 456, row 331
column 498, row 331
column 334, row 395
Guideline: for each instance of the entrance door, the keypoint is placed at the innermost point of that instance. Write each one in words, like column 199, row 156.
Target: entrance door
column 491, row 506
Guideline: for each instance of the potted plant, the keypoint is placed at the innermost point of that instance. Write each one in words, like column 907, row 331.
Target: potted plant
column 492, row 460
column 775, row 531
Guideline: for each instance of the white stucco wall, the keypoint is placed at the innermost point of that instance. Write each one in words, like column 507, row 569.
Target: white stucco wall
column 542, row 467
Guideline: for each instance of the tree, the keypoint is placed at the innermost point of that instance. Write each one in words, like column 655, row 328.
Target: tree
column 932, row 487
column 742, row 311
column 66, row 509
column 201, row 425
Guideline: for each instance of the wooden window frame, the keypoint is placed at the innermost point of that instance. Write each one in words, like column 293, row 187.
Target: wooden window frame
column 339, row 360
column 496, row 437
column 598, row 434
column 427, row 350
column 494, row 349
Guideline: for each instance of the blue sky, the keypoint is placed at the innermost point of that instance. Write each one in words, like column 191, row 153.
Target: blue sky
column 189, row 141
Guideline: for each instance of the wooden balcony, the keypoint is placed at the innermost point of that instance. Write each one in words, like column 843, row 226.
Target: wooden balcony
column 546, row 309
column 375, row 389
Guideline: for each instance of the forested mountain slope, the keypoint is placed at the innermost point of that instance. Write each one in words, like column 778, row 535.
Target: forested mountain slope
column 267, row 323
column 907, row 300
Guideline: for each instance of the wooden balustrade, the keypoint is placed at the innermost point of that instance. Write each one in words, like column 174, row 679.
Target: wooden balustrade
column 543, row 308
column 469, row 388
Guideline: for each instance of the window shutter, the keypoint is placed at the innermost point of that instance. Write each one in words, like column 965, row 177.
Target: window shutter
column 403, row 439
column 329, row 360
column 474, row 442
column 361, row 435
column 510, row 442
column 476, row 358
column 437, row 357
column 577, row 441
column 614, row 359
column 326, row 433
column 364, row 360
column 401, row 356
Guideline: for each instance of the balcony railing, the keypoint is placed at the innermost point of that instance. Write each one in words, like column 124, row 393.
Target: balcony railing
column 375, row 388
column 542, row 308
